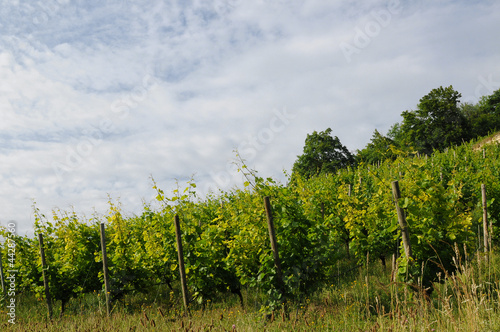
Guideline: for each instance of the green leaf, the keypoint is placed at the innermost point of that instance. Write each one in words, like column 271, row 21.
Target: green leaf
column 406, row 203
column 393, row 227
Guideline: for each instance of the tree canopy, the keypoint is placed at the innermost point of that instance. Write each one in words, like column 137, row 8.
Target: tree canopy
column 437, row 123
column 485, row 115
column 379, row 148
column 322, row 154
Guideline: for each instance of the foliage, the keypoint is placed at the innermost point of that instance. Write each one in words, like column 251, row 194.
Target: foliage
column 321, row 222
column 322, row 154
column 70, row 246
column 437, row 123
column 484, row 117
column 366, row 300
column 379, row 149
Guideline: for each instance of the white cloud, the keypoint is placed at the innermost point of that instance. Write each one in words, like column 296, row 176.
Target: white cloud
column 96, row 97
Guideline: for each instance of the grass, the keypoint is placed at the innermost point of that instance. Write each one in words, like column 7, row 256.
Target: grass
column 490, row 139
column 365, row 300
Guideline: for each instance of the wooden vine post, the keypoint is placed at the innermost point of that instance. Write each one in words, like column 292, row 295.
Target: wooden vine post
column 486, row 236
column 405, row 234
column 1, row 274
column 182, row 269
column 105, row 269
column 274, row 244
column 45, row 277
column 347, row 239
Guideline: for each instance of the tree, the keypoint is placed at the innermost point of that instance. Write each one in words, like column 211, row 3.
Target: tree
column 484, row 117
column 322, row 154
column 396, row 135
column 437, row 123
column 379, row 149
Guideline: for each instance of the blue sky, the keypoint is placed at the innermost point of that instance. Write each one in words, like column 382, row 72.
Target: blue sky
column 96, row 97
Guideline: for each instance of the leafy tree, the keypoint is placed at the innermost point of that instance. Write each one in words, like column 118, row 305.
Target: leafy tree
column 396, row 135
column 378, row 149
column 322, row 154
column 484, row 117
column 436, row 124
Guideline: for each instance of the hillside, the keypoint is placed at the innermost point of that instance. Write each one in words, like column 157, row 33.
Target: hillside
column 339, row 243
column 495, row 138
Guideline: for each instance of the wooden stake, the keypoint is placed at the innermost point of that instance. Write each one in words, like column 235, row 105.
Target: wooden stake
column 105, row 269
column 347, row 241
column 45, row 277
column 1, row 274
column 405, row 234
column 393, row 267
column 478, row 236
column 322, row 211
column 485, row 218
column 182, row 269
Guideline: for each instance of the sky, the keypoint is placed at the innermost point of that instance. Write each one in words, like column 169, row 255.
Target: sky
column 98, row 97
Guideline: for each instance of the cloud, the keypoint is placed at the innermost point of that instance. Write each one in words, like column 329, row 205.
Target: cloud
column 98, row 96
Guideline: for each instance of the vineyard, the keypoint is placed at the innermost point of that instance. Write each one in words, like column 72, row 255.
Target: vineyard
column 325, row 227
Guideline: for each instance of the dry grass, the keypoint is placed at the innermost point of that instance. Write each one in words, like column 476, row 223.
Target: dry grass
column 493, row 139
